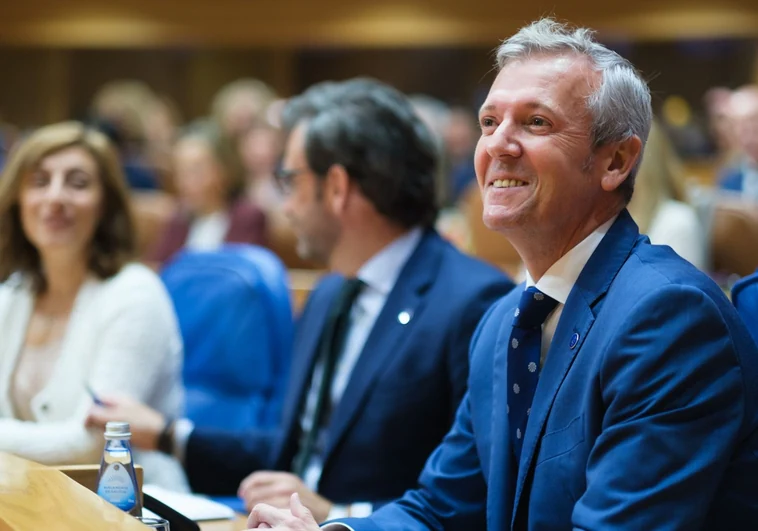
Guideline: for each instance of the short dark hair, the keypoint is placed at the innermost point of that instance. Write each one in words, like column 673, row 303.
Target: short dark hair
column 114, row 241
column 371, row 130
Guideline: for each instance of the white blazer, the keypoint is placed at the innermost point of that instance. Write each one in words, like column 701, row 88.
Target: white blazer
column 122, row 338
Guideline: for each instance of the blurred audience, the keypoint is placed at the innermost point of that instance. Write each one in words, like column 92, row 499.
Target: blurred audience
column 717, row 109
column 75, row 312
column 743, row 110
column 658, row 205
column 461, row 135
column 260, row 149
column 120, row 109
column 239, row 105
column 363, row 409
column 210, row 185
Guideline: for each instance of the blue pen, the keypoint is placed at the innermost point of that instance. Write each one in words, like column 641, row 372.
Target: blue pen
column 95, row 399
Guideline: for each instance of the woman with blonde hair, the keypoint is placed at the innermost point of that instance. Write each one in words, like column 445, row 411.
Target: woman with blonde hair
column 658, row 204
column 76, row 314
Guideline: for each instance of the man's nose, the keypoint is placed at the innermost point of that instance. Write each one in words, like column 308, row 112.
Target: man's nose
column 503, row 142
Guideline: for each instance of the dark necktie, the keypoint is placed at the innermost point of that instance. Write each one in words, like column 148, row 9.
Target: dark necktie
column 330, row 347
column 524, row 360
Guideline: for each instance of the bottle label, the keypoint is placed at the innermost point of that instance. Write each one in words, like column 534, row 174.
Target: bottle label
column 116, row 486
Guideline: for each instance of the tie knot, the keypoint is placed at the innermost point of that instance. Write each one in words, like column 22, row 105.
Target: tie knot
column 347, row 295
column 533, row 308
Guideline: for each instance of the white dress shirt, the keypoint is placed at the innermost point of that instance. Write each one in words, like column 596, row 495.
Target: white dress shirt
column 557, row 282
column 207, row 233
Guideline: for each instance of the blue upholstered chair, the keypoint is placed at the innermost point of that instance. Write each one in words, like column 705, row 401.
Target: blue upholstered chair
column 745, row 299
column 236, row 321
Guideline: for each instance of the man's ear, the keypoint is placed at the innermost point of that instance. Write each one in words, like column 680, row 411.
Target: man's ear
column 621, row 159
column 336, row 188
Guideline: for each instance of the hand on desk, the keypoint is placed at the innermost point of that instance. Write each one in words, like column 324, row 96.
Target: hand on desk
column 296, row 518
column 276, row 489
column 146, row 424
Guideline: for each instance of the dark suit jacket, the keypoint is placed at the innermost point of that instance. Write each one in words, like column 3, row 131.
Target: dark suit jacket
column 645, row 415
column 402, row 394
column 247, row 224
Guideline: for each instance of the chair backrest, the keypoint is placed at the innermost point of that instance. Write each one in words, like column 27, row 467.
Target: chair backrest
column 234, row 311
column 745, row 299
column 734, row 237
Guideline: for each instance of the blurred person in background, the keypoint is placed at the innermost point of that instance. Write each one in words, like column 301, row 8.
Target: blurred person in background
column 75, row 311
column 239, row 105
column 260, row 149
column 717, row 107
column 120, row 109
column 435, row 115
column 743, row 111
column 210, row 185
column 461, row 135
column 658, row 205
column 161, row 123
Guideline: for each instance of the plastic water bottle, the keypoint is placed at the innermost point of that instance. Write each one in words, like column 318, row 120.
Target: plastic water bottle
column 117, row 482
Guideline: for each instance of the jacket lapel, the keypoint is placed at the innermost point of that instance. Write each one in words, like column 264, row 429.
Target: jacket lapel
column 575, row 323
column 387, row 335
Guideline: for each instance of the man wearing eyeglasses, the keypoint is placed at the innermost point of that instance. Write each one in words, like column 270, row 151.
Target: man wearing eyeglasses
column 380, row 362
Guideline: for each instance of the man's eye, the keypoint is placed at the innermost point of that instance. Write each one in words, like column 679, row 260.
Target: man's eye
column 487, row 122
column 538, row 121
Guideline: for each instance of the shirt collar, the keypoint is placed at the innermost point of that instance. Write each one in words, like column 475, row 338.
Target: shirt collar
column 559, row 279
column 381, row 271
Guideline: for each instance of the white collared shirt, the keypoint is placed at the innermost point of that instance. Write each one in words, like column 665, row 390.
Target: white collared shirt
column 559, row 280
column 207, row 233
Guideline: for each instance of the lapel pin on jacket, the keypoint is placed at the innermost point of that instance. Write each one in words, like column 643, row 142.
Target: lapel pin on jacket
column 574, row 340
column 404, row 317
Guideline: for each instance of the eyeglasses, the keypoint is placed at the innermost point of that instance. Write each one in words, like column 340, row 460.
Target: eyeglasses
column 285, row 179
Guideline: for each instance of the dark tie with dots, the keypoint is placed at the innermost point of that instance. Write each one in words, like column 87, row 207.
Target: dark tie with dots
column 524, row 360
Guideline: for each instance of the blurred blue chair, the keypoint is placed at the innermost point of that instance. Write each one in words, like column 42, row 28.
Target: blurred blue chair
column 745, row 299
column 235, row 316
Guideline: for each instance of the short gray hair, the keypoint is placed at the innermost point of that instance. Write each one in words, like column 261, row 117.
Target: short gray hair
column 620, row 107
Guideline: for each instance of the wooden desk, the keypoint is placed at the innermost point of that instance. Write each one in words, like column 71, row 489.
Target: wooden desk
column 34, row 497
column 225, row 525
column 302, row 282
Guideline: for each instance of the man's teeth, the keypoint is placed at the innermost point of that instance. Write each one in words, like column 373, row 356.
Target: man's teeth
column 508, row 183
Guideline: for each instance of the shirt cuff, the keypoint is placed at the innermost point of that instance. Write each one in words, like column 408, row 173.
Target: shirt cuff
column 182, row 430
column 354, row 510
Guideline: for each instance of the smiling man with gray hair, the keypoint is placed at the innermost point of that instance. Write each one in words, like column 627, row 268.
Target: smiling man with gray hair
column 617, row 389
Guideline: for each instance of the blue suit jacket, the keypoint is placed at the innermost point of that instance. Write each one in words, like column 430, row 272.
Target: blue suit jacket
column 745, row 299
column 648, row 422
column 402, row 394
